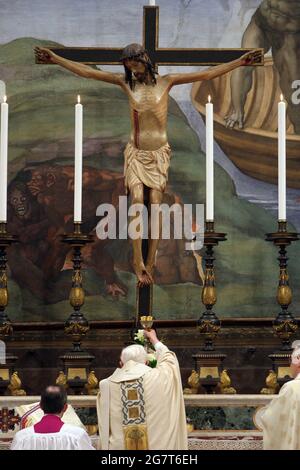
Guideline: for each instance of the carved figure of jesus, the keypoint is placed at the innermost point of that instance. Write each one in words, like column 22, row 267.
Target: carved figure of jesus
column 147, row 155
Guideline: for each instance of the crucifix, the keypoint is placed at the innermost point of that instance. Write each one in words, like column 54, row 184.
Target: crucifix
column 147, row 155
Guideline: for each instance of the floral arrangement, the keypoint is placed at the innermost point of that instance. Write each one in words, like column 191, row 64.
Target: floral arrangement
column 139, row 338
column 151, row 359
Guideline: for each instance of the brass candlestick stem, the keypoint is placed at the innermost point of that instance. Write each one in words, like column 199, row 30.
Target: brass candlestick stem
column 77, row 325
column 208, row 364
column 6, row 240
column 284, row 325
column 76, row 375
column 209, row 324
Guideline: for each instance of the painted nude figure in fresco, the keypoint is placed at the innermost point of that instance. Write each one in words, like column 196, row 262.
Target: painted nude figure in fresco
column 275, row 25
column 147, row 155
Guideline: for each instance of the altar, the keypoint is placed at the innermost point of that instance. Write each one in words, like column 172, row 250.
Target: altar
column 214, row 422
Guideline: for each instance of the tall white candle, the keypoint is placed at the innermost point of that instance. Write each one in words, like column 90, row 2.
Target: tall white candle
column 281, row 159
column 3, row 160
column 78, row 163
column 209, row 160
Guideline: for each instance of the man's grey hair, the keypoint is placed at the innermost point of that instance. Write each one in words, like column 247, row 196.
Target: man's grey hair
column 295, row 357
column 134, row 352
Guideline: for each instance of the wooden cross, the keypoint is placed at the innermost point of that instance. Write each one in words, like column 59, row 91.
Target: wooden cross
column 158, row 56
column 8, row 420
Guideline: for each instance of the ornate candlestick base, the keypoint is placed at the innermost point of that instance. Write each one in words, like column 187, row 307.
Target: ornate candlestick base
column 208, row 363
column 76, row 371
column 284, row 325
column 76, row 362
column 209, row 366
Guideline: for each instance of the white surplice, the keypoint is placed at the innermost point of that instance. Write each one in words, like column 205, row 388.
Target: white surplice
column 32, row 414
column 164, row 404
column 281, row 419
column 68, row 438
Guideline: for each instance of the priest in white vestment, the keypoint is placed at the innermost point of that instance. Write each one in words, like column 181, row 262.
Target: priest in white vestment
column 140, row 407
column 51, row 432
column 281, row 418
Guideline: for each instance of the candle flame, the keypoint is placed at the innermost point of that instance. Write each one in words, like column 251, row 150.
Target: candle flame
column 281, row 97
column 4, row 99
column 78, row 99
column 209, row 98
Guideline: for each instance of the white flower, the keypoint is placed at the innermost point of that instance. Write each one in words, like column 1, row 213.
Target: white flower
column 151, row 357
column 139, row 337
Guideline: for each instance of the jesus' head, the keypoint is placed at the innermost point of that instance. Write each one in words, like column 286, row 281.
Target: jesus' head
column 138, row 65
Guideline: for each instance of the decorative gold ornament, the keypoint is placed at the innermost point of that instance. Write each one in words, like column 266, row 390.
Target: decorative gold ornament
column 285, row 329
column 193, row 383
column 225, row 384
column 136, row 437
column 272, row 386
column 3, row 290
column 91, row 429
column 208, row 328
column 77, row 297
column 284, row 292
column 209, row 293
column 61, row 379
column 189, row 427
column 3, row 297
column 6, row 329
column 76, row 329
column 15, row 385
column 77, row 278
column 92, row 384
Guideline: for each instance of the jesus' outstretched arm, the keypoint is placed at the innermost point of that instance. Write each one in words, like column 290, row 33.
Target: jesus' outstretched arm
column 46, row 56
column 181, row 78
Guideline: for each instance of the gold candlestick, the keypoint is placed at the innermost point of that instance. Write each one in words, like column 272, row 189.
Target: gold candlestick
column 209, row 324
column 77, row 362
column 77, row 325
column 284, row 325
column 6, row 240
column 208, row 363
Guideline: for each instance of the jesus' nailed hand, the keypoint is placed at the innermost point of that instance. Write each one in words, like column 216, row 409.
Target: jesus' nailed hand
column 147, row 155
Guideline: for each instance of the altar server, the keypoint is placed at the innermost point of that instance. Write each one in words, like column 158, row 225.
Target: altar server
column 51, row 433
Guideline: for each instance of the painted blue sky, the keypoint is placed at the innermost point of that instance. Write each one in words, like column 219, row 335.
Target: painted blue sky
column 186, row 23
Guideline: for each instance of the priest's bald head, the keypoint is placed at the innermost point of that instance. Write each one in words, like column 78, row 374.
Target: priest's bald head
column 134, row 352
column 54, row 400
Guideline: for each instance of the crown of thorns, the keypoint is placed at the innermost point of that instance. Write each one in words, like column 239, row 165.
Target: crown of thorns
column 134, row 51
